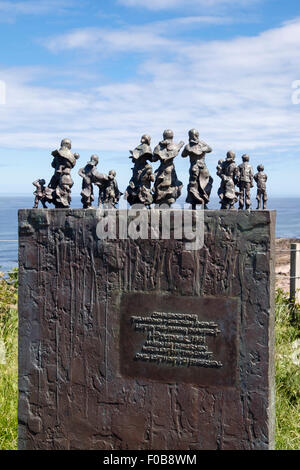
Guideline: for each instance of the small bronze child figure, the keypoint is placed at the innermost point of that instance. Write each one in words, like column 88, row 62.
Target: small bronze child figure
column 39, row 193
column 245, row 182
column 261, row 180
column 109, row 193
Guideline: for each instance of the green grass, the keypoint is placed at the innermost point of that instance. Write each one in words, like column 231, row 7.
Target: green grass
column 287, row 372
column 9, row 370
column 287, row 333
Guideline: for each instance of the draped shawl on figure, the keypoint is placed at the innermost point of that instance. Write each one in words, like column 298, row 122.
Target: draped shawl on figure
column 200, row 180
column 167, row 187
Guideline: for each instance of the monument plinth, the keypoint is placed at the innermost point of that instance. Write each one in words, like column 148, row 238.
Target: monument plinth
column 140, row 343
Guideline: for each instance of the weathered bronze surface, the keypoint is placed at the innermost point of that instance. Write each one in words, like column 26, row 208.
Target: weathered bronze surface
column 200, row 184
column 229, row 173
column 90, row 175
column 109, row 194
column 82, row 301
column 261, row 182
column 58, row 192
column 245, row 183
column 139, row 188
column 39, row 193
column 167, row 187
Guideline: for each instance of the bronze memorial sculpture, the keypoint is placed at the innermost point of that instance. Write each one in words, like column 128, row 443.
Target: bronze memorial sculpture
column 261, row 180
column 139, row 188
column 200, row 184
column 58, row 192
column 229, row 173
column 167, row 187
column 90, row 176
column 147, row 329
column 109, row 194
column 245, row 183
column 86, row 173
column 39, row 193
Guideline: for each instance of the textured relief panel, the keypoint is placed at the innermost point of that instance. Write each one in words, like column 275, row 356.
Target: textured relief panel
column 141, row 344
column 199, row 345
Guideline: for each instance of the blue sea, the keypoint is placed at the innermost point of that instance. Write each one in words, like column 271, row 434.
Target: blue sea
column 288, row 222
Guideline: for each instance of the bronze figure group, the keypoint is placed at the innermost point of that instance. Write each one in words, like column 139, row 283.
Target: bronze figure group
column 139, row 188
column 109, row 194
column 236, row 180
column 241, row 176
column 58, row 191
column 200, row 183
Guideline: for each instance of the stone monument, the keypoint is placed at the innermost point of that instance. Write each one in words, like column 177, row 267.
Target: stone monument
column 167, row 187
column 131, row 343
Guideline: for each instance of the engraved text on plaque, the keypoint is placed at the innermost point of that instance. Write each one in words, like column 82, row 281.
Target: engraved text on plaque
column 171, row 338
column 176, row 339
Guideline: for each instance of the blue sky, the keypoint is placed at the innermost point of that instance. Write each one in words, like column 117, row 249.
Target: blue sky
column 105, row 72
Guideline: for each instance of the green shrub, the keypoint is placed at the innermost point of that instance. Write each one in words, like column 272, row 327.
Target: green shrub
column 8, row 361
column 287, row 335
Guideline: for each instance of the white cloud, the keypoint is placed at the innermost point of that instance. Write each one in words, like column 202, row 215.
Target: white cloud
column 145, row 38
column 237, row 92
column 9, row 10
column 171, row 4
column 108, row 41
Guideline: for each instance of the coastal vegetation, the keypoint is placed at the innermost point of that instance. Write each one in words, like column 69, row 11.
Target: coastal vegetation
column 287, row 361
column 287, row 333
column 8, row 360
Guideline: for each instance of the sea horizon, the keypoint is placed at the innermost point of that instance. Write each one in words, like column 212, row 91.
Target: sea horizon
column 287, row 223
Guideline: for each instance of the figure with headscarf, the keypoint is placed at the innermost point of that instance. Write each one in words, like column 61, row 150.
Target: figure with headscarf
column 58, row 191
column 200, row 183
column 167, row 187
column 139, row 188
